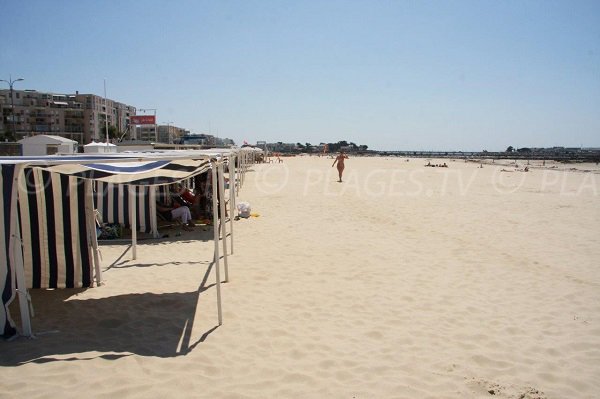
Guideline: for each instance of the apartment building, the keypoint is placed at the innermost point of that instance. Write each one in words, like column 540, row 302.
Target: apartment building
column 207, row 140
column 168, row 134
column 79, row 117
column 97, row 109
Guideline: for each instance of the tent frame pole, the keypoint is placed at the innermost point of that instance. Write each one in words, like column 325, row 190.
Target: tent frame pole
column 92, row 235
column 223, row 224
column 231, row 196
column 133, row 221
column 216, row 240
column 153, row 217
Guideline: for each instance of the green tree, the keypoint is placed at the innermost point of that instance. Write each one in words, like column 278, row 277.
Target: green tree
column 112, row 132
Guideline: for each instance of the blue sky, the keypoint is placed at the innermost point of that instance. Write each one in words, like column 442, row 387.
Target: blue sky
column 421, row 75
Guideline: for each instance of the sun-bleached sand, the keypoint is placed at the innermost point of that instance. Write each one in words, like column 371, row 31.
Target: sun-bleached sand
column 401, row 282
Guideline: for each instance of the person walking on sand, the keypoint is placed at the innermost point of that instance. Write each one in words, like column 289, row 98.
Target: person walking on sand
column 340, row 163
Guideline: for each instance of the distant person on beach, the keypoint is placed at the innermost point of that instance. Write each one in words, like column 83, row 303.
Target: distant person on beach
column 340, row 164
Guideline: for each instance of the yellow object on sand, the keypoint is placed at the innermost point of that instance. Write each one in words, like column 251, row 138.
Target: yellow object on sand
column 254, row 215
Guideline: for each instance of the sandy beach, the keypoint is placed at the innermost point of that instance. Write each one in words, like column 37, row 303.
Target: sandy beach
column 403, row 281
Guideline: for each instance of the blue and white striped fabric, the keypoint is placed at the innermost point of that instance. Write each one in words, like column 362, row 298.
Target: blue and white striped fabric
column 7, row 276
column 139, row 173
column 55, row 230
column 113, row 203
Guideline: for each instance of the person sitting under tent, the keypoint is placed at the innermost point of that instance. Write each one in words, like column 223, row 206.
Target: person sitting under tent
column 183, row 192
column 182, row 213
column 194, row 200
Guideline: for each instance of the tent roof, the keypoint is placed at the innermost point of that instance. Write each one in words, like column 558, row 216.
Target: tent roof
column 96, row 144
column 137, row 168
column 46, row 139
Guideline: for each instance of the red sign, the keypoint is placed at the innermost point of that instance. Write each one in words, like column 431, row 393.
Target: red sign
column 143, row 119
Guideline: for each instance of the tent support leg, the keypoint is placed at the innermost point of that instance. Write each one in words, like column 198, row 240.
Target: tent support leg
column 231, row 196
column 153, row 218
column 216, row 240
column 223, row 223
column 92, row 235
column 133, row 221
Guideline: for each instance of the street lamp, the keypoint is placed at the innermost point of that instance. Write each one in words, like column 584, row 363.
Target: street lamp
column 11, row 82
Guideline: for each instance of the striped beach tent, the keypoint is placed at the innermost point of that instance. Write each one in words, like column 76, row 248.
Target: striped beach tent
column 47, row 234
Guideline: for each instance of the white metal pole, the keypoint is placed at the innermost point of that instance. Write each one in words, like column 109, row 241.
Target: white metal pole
column 231, row 196
column 133, row 221
column 242, row 168
column 237, row 172
column 106, row 112
column 92, row 235
column 216, row 240
column 153, row 218
column 223, row 223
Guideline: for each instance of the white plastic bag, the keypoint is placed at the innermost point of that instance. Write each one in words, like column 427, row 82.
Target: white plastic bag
column 243, row 209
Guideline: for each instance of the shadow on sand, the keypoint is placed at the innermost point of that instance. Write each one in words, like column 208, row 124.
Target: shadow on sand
column 147, row 324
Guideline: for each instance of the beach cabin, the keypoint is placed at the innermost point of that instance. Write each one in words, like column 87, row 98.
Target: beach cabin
column 48, row 229
column 99, row 148
column 47, row 145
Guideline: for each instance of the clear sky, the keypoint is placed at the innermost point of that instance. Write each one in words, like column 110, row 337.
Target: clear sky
column 418, row 75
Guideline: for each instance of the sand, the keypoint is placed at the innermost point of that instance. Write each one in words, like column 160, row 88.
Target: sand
column 401, row 282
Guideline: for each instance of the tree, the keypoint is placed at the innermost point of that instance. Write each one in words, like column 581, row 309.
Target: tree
column 112, row 132
column 510, row 148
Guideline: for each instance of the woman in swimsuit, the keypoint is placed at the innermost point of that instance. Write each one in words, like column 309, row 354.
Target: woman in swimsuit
column 340, row 164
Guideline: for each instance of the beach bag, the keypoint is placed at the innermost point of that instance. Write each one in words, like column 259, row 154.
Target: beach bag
column 243, row 209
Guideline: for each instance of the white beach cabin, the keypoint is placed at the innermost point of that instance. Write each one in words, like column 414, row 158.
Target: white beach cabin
column 47, row 145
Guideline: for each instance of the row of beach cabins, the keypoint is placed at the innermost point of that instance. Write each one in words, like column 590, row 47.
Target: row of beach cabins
column 50, row 204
